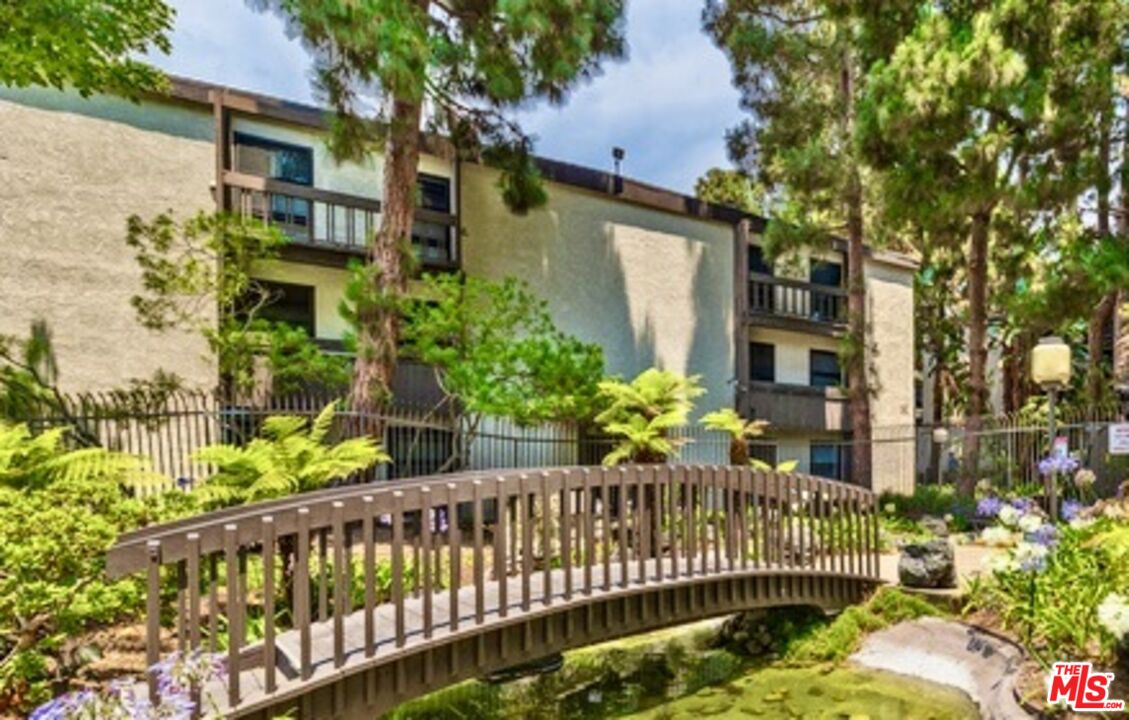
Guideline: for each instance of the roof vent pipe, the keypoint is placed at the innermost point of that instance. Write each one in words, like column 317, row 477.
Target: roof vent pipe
column 618, row 154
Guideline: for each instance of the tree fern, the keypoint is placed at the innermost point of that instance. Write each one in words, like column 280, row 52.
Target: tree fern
column 641, row 414
column 291, row 456
column 32, row 461
column 740, row 431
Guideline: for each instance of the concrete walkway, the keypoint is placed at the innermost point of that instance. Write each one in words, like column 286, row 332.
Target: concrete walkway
column 970, row 561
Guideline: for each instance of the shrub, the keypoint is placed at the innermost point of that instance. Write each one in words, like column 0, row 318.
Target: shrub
column 60, row 511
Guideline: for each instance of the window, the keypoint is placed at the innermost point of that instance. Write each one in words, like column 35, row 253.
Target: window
column 432, row 240
column 762, row 362
column 824, row 461
column 757, row 261
column 825, row 370
column 826, row 273
column 278, row 161
column 434, row 193
column 291, row 304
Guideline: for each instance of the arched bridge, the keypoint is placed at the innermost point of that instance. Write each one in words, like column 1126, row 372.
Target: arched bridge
column 379, row 593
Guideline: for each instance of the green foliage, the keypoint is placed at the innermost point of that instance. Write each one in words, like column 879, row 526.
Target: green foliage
column 89, row 45
column 740, row 432
column 60, row 511
column 1056, row 610
column 498, row 352
column 935, row 500
column 732, row 188
column 642, row 413
column 291, row 456
column 193, row 270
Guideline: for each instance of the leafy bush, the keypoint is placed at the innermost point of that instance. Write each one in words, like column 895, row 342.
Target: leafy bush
column 291, row 456
column 60, row 511
column 1054, row 605
column 643, row 412
column 935, row 500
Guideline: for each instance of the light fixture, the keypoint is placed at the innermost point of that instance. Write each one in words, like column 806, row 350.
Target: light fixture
column 940, row 435
column 1050, row 363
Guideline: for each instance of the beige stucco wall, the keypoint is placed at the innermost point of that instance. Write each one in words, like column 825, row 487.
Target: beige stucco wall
column 69, row 182
column 652, row 288
column 890, row 298
column 793, row 352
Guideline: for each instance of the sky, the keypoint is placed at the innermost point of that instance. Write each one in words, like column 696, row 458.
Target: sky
column 668, row 104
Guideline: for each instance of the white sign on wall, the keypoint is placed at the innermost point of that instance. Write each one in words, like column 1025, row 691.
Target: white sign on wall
column 1119, row 439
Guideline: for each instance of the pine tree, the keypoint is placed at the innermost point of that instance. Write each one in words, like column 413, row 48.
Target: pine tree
column 467, row 61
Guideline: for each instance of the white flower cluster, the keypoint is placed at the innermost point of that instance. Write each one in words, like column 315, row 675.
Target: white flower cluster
column 997, row 536
column 1113, row 614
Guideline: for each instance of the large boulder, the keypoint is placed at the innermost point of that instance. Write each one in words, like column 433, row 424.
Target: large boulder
column 927, row 565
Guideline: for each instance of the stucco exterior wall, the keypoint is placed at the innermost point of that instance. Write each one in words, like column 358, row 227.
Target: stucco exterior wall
column 890, row 299
column 793, row 352
column 69, row 182
column 652, row 288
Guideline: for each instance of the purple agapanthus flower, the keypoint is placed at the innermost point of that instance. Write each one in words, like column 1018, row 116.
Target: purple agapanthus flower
column 1045, row 535
column 989, row 507
column 1070, row 510
column 1022, row 504
column 1036, row 563
column 1057, row 465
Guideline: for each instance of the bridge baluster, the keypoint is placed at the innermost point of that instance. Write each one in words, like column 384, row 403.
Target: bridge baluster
column 589, row 530
column 269, row 662
column 661, row 484
column 455, row 560
column 234, row 611
column 566, row 498
column 502, row 505
column 479, row 559
column 398, row 565
column 423, row 571
column 717, row 510
column 605, row 525
column 302, row 590
column 525, row 511
column 621, row 523
column 639, row 518
column 546, row 540
column 153, row 613
column 192, row 545
column 369, row 540
column 340, row 592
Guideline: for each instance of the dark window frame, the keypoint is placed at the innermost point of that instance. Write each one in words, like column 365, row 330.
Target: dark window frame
column 819, row 468
column 819, row 377
column 267, row 143
column 816, row 265
column 270, row 286
column 770, row 376
column 424, row 179
column 757, row 262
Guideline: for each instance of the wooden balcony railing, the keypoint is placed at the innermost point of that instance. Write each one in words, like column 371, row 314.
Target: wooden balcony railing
column 796, row 299
column 326, row 219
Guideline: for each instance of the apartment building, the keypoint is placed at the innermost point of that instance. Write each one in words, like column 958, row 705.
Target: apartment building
column 655, row 277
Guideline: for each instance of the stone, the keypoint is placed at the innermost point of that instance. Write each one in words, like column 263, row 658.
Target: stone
column 927, row 565
column 935, row 525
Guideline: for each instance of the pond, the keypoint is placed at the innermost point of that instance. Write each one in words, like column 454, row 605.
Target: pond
column 819, row 692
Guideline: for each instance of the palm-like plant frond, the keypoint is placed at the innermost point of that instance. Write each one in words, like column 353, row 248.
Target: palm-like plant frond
column 33, row 461
column 291, row 456
column 643, row 412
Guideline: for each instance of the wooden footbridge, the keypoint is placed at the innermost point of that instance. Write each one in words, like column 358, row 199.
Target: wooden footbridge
column 348, row 601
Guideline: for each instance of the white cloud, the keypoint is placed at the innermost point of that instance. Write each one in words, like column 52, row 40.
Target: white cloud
column 668, row 104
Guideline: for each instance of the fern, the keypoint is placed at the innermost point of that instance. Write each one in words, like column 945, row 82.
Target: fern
column 291, row 456
column 740, row 431
column 32, row 462
column 641, row 414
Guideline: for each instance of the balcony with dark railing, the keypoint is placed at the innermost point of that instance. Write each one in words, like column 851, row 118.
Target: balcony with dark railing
column 328, row 226
column 786, row 302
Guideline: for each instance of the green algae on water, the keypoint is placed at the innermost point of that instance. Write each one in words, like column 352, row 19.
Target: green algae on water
column 819, row 692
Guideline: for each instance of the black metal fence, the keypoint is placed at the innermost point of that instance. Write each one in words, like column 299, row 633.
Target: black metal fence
column 168, row 429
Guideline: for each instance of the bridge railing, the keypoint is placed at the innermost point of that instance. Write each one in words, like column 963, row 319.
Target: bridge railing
column 294, row 589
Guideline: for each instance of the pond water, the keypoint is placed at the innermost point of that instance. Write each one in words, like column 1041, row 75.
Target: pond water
column 809, row 692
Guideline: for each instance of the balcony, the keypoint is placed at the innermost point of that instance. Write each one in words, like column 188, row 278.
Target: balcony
column 791, row 304
column 327, row 227
column 796, row 407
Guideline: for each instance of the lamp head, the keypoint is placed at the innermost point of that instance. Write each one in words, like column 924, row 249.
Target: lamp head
column 1050, row 363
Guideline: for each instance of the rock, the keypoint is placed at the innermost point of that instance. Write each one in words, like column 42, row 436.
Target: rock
column 935, row 525
column 927, row 565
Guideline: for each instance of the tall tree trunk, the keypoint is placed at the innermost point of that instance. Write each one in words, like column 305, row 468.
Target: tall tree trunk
column 977, row 347
column 858, row 386
column 1103, row 311
column 389, row 262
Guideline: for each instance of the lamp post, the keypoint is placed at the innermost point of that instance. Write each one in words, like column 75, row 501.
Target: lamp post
column 940, row 438
column 1050, row 369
